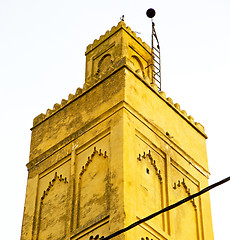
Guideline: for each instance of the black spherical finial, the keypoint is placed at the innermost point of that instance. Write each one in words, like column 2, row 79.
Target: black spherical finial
column 151, row 13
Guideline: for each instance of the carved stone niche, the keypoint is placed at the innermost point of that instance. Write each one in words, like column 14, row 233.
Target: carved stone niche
column 93, row 189
column 52, row 219
column 104, row 65
column 150, row 187
column 138, row 66
column 188, row 214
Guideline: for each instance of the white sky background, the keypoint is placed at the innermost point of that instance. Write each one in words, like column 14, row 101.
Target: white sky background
column 42, row 46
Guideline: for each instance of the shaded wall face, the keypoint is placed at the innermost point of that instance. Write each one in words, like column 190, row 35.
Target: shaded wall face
column 77, row 191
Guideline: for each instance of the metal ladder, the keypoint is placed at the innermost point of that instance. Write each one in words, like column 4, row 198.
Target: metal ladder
column 156, row 70
column 155, row 60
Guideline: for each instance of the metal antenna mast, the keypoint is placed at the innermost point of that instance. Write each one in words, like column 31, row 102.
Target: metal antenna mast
column 155, row 53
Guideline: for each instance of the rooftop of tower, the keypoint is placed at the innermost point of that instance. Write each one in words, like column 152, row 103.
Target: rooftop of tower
column 87, row 86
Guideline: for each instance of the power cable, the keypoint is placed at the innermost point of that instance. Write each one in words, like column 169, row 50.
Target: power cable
column 167, row 208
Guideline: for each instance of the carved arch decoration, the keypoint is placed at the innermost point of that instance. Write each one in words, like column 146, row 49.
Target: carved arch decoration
column 90, row 159
column 153, row 163
column 138, row 66
column 52, row 218
column 150, row 188
column 104, row 64
column 186, row 188
column 187, row 214
column 93, row 189
column 51, row 184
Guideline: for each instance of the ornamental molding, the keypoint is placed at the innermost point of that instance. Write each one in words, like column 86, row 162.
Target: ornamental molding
column 52, row 183
column 186, row 188
column 152, row 162
column 90, row 159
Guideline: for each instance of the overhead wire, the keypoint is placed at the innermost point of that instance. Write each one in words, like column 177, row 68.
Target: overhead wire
column 170, row 207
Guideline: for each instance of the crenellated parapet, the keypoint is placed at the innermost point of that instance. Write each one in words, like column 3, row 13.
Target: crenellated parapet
column 57, row 107
column 183, row 113
column 113, row 30
column 80, row 91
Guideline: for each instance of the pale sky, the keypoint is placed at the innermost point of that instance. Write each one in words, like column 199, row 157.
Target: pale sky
column 42, row 46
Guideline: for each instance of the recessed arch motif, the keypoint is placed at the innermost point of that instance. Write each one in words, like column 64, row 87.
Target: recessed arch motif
column 104, row 63
column 187, row 214
column 93, row 189
column 138, row 66
column 52, row 218
column 150, row 185
column 186, row 188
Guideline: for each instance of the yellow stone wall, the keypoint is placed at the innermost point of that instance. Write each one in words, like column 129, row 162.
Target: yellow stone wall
column 114, row 152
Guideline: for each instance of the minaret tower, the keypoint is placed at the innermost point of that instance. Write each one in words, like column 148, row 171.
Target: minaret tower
column 116, row 151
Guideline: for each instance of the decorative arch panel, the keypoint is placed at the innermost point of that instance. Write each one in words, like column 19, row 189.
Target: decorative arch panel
column 93, row 189
column 53, row 216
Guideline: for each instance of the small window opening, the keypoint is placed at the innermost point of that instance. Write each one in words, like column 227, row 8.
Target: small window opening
column 147, row 170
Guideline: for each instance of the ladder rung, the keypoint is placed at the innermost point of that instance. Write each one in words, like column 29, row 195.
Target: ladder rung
column 156, row 62
column 154, row 55
column 157, row 80
column 156, row 49
column 157, row 68
column 157, row 73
